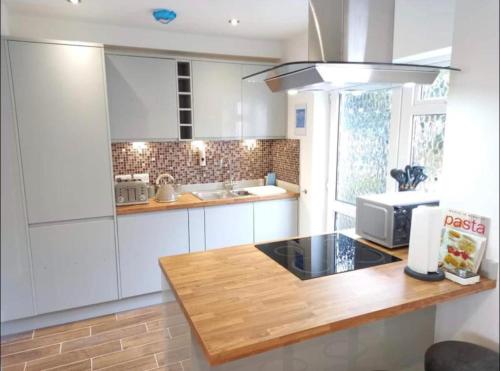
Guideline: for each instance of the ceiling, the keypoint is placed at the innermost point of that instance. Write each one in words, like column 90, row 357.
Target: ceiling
column 259, row 19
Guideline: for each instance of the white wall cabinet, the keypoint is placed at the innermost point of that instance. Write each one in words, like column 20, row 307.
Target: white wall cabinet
column 16, row 287
column 275, row 220
column 61, row 108
column 264, row 112
column 74, row 264
column 142, row 98
column 228, row 225
column 216, row 100
column 143, row 238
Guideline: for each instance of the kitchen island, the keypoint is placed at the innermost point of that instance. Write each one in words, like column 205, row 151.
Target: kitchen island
column 246, row 312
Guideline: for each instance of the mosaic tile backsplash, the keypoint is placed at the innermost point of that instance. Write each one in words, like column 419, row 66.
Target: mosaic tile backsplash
column 179, row 159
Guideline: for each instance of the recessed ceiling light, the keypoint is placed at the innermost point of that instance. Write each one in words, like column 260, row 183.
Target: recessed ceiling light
column 234, row 22
column 74, row 2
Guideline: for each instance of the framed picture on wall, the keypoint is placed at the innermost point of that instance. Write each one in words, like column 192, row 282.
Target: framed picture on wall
column 300, row 119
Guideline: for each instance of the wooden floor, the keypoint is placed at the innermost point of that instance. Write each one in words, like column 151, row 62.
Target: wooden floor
column 152, row 338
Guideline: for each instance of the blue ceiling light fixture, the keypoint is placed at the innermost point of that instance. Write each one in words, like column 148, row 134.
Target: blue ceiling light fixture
column 164, row 16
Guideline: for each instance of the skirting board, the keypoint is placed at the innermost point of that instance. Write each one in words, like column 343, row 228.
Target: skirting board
column 77, row 314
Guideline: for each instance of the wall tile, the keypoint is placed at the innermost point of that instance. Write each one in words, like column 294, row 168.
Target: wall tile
column 178, row 159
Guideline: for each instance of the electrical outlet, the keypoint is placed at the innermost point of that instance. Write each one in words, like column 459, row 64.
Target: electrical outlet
column 144, row 177
column 123, row 177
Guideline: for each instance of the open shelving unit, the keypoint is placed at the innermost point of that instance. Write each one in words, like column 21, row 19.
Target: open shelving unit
column 184, row 100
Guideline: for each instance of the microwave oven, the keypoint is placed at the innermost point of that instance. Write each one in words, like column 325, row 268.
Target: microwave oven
column 386, row 218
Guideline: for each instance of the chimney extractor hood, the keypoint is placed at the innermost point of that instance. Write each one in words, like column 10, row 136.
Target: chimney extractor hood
column 349, row 46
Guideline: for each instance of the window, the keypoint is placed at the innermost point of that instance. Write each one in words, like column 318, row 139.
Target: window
column 343, row 221
column 363, row 137
column 422, row 129
column 438, row 90
column 375, row 131
column 427, row 143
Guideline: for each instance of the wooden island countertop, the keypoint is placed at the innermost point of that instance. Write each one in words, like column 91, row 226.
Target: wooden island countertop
column 188, row 200
column 240, row 302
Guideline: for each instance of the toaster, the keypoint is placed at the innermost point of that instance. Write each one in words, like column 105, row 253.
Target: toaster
column 131, row 192
column 386, row 218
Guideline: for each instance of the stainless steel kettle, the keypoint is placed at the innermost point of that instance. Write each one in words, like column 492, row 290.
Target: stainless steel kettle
column 167, row 189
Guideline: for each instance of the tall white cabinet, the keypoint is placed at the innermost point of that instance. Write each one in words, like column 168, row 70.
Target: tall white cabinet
column 62, row 120
column 61, row 108
column 142, row 98
column 16, row 284
column 74, row 264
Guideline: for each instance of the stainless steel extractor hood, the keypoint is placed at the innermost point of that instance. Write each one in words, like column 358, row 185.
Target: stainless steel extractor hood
column 350, row 45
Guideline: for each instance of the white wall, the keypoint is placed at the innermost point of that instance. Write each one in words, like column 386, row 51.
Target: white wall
column 313, row 160
column 295, row 48
column 422, row 25
column 60, row 29
column 471, row 153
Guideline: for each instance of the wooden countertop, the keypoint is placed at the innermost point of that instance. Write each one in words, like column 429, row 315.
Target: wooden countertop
column 188, row 200
column 240, row 302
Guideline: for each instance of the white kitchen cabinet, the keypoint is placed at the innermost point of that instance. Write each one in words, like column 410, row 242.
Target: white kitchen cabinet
column 196, row 229
column 61, row 108
column 143, row 239
column 264, row 112
column 16, row 287
column 275, row 220
column 74, row 264
column 142, row 98
column 216, row 100
column 228, row 225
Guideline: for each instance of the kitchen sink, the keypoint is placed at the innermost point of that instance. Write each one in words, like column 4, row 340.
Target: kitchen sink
column 221, row 194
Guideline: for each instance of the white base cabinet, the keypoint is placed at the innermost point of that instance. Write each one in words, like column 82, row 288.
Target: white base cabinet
column 196, row 229
column 143, row 238
column 275, row 220
column 74, row 264
column 228, row 225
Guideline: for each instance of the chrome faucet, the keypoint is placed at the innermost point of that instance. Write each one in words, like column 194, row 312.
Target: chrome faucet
column 228, row 184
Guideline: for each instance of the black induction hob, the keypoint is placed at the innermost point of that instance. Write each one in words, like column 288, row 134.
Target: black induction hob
column 318, row 256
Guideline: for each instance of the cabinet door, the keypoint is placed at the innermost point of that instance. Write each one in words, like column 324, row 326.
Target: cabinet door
column 74, row 264
column 196, row 229
column 143, row 239
column 275, row 220
column 142, row 98
column 16, row 288
column 228, row 225
column 60, row 100
column 264, row 112
column 216, row 99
